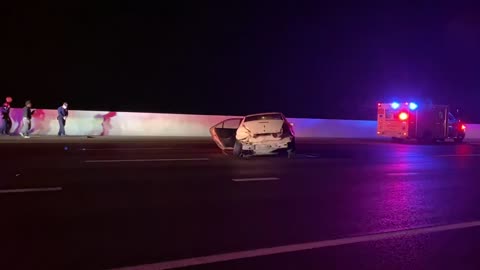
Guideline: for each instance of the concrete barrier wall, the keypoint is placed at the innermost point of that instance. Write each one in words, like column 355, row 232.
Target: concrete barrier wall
column 44, row 122
column 156, row 124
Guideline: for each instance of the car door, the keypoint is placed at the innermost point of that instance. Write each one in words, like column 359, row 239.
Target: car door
column 223, row 133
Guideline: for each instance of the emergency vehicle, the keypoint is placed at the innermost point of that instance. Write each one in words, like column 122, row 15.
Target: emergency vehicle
column 410, row 120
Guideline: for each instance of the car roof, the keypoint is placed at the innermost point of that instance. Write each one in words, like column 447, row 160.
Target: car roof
column 264, row 113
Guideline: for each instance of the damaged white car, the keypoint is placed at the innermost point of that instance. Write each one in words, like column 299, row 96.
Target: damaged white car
column 256, row 134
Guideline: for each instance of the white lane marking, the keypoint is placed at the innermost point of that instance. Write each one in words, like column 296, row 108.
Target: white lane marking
column 459, row 155
column 320, row 157
column 298, row 247
column 144, row 160
column 255, row 179
column 24, row 190
column 402, row 174
column 125, row 149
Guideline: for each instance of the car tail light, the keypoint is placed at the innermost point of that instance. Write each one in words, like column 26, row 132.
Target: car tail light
column 403, row 116
column 463, row 127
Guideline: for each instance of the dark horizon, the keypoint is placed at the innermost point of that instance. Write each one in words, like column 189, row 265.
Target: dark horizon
column 306, row 60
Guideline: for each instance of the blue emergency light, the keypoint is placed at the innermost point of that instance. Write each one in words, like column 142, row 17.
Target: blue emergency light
column 395, row 105
column 412, row 106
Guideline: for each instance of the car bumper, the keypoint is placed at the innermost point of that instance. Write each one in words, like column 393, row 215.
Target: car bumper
column 267, row 147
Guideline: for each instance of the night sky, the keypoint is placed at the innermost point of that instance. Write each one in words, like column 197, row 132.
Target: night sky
column 235, row 58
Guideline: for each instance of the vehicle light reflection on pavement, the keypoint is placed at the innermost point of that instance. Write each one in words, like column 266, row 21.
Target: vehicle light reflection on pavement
column 464, row 149
column 403, row 193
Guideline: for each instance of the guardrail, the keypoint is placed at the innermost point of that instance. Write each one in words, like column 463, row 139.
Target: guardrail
column 106, row 123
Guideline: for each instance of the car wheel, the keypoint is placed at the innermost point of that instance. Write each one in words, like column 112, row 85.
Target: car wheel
column 237, row 149
column 458, row 140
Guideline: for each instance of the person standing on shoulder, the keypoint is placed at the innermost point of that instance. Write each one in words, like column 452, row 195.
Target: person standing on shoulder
column 27, row 119
column 62, row 118
column 8, row 103
column 5, row 121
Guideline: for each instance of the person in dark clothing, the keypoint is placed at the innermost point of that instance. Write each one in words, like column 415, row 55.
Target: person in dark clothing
column 62, row 118
column 27, row 119
column 5, row 121
column 5, row 114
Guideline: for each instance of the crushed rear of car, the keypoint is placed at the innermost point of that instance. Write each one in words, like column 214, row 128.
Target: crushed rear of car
column 257, row 134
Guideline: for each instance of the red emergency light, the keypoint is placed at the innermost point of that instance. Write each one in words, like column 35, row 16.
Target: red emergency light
column 403, row 116
column 463, row 127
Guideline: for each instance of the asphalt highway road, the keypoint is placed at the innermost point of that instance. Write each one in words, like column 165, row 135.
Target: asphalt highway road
column 96, row 203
